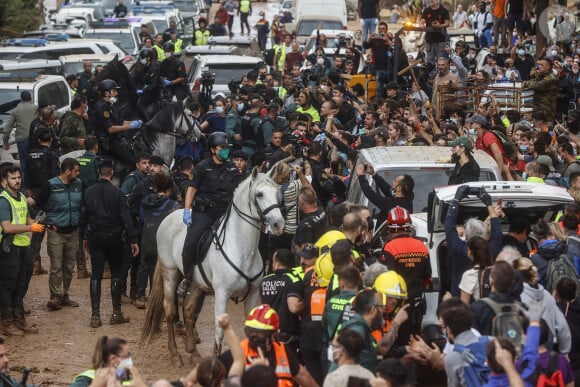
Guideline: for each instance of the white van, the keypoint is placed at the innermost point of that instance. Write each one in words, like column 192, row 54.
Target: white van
column 54, row 50
column 45, row 90
column 313, row 14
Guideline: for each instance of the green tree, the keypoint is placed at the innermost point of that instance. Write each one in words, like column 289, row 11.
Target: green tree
column 17, row 16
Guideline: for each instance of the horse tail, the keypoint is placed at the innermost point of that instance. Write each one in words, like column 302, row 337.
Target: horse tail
column 155, row 309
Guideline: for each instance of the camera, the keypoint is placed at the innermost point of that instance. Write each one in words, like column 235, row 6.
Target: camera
column 298, row 145
column 234, row 86
column 207, row 78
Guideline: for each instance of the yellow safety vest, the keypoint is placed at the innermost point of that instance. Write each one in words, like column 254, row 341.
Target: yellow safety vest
column 178, row 44
column 160, row 52
column 19, row 209
column 91, row 375
column 245, row 6
column 282, row 57
column 201, row 37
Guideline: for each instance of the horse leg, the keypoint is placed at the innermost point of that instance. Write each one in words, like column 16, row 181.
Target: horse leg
column 191, row 336
column 252, row 299
column 170, row 284
column 221, row 301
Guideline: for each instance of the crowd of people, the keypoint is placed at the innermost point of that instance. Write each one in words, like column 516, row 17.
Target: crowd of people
column 331, row 306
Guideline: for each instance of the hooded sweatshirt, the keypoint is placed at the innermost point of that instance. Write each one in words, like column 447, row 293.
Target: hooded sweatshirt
column 572, row 313
column 554, row 318
column 547, row 250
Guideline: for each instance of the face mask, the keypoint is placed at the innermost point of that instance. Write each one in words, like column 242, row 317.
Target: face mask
column 240, row 107
column 521, row 52
column 219, row 109
column 454, row 120
column 223, row 154
column 332, row 354
column 112, row 100
column 454, row 158
column 555, row 72
column 259, row 342
column 143, row 60
column 554, row 52
column 472, row 131
column 578, row 51
column 514, row 34
column 471, row 56
column 393, row 192
column 524, row 176
column 168, row 55
column 453, row 69
column 561, row 159
column 523, row 148
column 320, row 61
column 462, row 238
column 309, row 178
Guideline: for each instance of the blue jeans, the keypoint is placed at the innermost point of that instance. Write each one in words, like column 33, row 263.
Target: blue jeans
column 22, row 154
column 368, row 27
column 485, row 39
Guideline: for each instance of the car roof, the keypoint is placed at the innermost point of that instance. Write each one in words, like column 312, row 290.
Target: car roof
column 83, row 57
column 11, row 84
column 233, row 40
column 213, row 49
column 219, row 59
column 419, row 156
column 332, row 33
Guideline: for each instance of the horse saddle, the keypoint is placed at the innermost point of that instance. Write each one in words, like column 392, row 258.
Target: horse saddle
column 205, row 242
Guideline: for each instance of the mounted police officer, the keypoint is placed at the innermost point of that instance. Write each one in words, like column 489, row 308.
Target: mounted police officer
column 173, row 73
column 109, row 128
column 207, row 198
column 147, row 81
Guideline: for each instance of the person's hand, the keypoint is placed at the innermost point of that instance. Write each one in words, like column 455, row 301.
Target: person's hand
column 297, row 169
column 370, row 170
column 402, row 315
column 224, row 321
column 462, row 192
column 376, row 381
column 260, row 360
column 136, row 124
column 485, row 197
column 535, row 310
column 191, row 379
column 134, row 249
column 166, row 82
column 447, row 296
column 139, row 91
column 360, row 170
column 6, row 146
column 329, row 172
column 36, row 227
column 187, row 217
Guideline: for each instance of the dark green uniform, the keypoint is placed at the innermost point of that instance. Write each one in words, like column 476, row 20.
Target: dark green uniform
column 337, row 310
column 545, row 86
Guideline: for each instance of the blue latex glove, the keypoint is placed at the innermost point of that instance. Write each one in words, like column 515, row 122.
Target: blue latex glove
column 139, row 92
column 136, row 124
column 166, row 82
column 187, row 217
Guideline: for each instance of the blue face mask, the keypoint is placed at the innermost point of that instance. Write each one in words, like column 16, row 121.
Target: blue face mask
column 524, row 176
column 523, row 148
column 240, row 107
column 472, row 131
column 560, row 159
column 219, row 109
column 224, row 154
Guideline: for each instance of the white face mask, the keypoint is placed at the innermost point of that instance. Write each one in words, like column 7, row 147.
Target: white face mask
column 143, row 60
column 514, row 33
column 168, row 54
column 521, row 52
column 320, row 61
column 219, row 109
column 555, row 72
column 112, row 100
column 471, row 56
column 554, row 52
column 453, row 69
column 472, row 131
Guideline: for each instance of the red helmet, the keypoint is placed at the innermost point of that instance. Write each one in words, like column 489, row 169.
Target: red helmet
column 399, row 217
column 263, row 317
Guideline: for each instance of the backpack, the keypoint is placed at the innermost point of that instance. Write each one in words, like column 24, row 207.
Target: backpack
column 507, row 322
column 484, row 285
column 547, row 377
column 152, row 218
column 475, row 369
column 562, row 266
column 249, row 131
column 509, row 148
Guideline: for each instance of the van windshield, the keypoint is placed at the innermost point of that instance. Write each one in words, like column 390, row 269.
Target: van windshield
column 187, row 6
column 123, row 40
column 307, row 26
column 226, row 72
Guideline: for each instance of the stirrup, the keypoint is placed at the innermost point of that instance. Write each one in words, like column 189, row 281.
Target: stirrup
column 183, row 287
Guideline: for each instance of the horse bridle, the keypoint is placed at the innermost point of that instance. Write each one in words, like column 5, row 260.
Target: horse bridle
column 252, row 220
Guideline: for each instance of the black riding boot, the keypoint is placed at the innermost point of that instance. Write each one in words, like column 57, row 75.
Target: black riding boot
column 95, row 289
column 116, row 294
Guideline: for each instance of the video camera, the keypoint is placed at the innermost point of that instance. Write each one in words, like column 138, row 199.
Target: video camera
column 299, row 143
column 207, row 78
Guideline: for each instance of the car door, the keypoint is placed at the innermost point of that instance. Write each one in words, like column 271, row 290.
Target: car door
column 53, row 91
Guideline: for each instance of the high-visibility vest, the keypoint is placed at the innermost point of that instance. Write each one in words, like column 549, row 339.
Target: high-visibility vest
column 178, row 44
column 160, row 52
column 245, row 6
column 282, row 370
column 91, row 375
column 201, row 37
column 282, row 57
column 19, row 209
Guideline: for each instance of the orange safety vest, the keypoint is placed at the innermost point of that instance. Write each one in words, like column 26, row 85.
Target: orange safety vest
column 283, row 373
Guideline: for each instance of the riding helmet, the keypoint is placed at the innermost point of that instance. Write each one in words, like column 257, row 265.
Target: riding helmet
column 147, row 53
column 107, row 85
column 218, row 138
column 168, row 47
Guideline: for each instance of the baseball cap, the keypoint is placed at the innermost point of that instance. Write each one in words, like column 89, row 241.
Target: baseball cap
column 106, row 163
column 309, row 252
column 546, row 160
column 462, row 141
column 71, row 77
column 156, row 160
column 477, row 119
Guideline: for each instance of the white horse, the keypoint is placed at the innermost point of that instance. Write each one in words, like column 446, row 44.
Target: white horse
column 232, row 267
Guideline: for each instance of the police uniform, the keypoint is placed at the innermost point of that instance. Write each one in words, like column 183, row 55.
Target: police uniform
column 275, row 289
column 338, row 309
column 106, row 216
column 131, row 181
column 41, row 164
column 89, row 174
column 111, row 144
column 150, row 85
column 84, row 79
column 172, row 68
column 215, row 185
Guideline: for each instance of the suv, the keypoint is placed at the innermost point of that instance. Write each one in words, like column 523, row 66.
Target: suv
column 518, row 199
column 54, row 50
column 123, row 32
column 45, row 90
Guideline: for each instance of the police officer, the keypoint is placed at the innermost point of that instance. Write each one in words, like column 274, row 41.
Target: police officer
column 339, row 307
column 282, row 290
column 408, row 257
column 173, row 73
column 108, row 128
column 105, row 213
column 207, row 198
column 147, row 81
